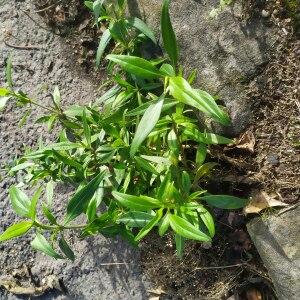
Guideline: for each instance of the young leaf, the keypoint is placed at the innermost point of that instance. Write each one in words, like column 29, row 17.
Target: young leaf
column 207, row 219
column 15, row 230
column 56, row 97
column 145, row 165
column 225, row 201
column 22, row 166
column 187, row 230
column 80, row 200
column 48, row 214
column 34, row 201
column 65, row 248
column 136, row 65
column 142, row 27
column 135, row 218
column 3, row 101
column 145, row 230
column 146, row 125
column 168, row 34
column 179, row 241
column 181, row 90
column 104, row 41
column 140, row 203
column 4, row 92
column 186, row 182
column 168, row 70
column 164, row 225
column 20, row 202
column 8, row 72
column 201, row 154
column 173, row 142
column 41, row 244
column 86, row 129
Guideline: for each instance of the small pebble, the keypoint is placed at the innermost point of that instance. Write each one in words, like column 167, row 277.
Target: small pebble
column 265, row 13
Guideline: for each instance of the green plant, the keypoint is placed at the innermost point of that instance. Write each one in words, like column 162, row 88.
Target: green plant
column 126, row 32
column 137, row 152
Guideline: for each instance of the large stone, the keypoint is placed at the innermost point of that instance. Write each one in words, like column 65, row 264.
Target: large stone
column 227, row 51
column 277, row 241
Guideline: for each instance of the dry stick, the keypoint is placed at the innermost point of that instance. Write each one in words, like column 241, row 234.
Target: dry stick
column 46, row 8
column 36, row 22
column 220, row 267
column 24, row 47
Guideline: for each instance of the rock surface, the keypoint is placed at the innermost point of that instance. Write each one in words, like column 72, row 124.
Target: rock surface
column 277, row 241
column 226, row 51
column 36, row 71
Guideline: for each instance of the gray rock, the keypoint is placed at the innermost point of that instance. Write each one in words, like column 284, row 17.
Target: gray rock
column 226, row 51
column 277, row 241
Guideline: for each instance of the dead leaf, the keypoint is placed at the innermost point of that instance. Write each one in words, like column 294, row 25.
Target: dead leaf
column 157, row 292
column 260, row 201
column 246, row 141
column 15, row 287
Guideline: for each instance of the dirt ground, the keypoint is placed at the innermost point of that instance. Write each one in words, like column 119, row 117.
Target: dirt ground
column 41, row 60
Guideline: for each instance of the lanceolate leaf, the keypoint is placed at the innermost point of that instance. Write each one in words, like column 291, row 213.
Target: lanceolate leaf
column 34, row 201
column 80, row 200
column 168, row 34
column 142, row 27
column 164, row 225
column 135, row 218
column 104, row 41
column 41, row 244
column 136, row 65
column 187, row 230
column 65, row 248
column 144, row 164
column 144, row 231
column 181, row 90
column 15, row 230
column 146, row 125
column 140, row 203
column 179, row 241
column 20, row 202
column 207, row 219
column 225, row 201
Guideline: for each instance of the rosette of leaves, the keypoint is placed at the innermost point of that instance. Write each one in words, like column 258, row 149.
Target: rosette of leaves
column 137, row 151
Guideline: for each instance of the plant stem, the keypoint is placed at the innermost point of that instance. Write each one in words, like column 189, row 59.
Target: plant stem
column 57, row 227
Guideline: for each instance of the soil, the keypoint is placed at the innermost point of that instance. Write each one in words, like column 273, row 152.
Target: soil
column 230, row 266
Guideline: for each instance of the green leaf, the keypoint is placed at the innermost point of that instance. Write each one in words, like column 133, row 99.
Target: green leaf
column 206, row 138
column 186, row 182
column 86, row 129
column 22, row 166
column 140, row 203
column 48, row 214
column 143, row 163
column 146, row 125
column 65, row 248
column 207, row 219
column 97, row 7
column 225, row 201
column 3, row 101
column 15, row 230
column 104, row 41
column 4, row 92
column 168, row 70
column 164, row 225
column 8, row 72
column 180, row 242
column 201, row 154
column 20, row 202
column 173, row 142
column 56, row 97
column 41, row 244
column 168, row 35
column 80, row 200
column 135, row 218
column 181, row 90
column 204, row 170
column 164, row 186
column 136, row 65
column 34, row 201
column 145, row 230
column 187, row 230
column 142, row 27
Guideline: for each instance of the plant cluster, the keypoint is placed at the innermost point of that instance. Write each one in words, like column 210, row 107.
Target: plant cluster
column 135, row 156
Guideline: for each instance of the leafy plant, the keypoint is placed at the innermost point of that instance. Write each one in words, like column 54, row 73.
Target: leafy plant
column 126, row 32
column 137, row 152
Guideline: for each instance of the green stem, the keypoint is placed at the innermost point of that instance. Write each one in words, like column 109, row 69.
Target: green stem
column 57, row 227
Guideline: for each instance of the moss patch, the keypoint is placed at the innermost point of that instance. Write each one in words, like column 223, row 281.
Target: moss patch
column 293, row 9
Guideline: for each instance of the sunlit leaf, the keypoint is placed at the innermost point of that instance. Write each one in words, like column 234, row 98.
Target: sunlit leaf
column 15, row 230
